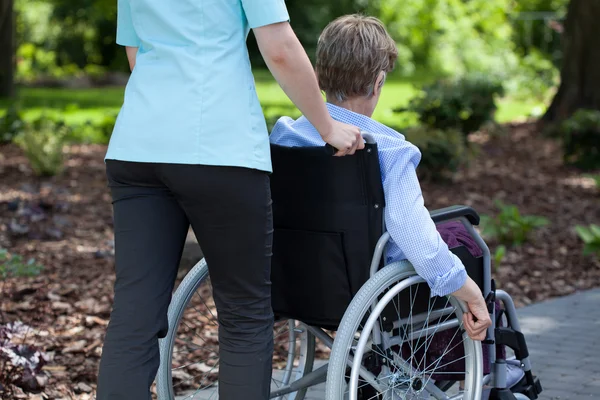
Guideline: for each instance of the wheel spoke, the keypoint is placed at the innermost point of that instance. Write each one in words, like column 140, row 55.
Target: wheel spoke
column 412, row 342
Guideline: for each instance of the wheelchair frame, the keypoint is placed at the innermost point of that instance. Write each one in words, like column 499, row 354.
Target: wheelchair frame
column 509, row 336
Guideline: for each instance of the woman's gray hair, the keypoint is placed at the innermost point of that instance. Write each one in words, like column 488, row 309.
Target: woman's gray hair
column 351, row 52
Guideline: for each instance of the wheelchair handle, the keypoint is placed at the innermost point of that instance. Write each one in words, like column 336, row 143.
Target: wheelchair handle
column 369, row 139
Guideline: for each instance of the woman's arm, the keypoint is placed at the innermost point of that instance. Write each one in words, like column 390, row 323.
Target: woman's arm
column 291, row 67
column 131, row 56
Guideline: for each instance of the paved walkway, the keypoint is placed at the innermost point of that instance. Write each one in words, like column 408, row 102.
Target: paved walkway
column 563, row 336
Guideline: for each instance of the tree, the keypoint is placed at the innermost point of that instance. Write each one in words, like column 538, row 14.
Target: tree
column 580, row 71
column 6, row 48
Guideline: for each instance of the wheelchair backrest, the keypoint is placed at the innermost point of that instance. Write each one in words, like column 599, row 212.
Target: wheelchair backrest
column 328, row 216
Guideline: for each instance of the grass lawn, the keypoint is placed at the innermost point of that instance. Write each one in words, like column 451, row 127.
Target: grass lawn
column 81, row 105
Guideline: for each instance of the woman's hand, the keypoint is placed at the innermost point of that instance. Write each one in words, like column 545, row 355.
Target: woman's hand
column 343, row 137
column 477, row 320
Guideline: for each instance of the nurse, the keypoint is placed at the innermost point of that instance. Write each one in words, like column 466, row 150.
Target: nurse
column 190, row 146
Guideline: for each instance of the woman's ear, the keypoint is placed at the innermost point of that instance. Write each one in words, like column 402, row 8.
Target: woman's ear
column 379, row 83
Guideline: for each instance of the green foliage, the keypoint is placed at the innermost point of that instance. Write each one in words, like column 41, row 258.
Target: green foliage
column 13, row 265
column 271, row 121
column 537, row 34
column 558, row 6
column 61, row 39
column 11, row 124
column 97, row 132
column 581, row 139
column 43, row 142
column 443, row 152
column 499, row 255
column 35, row 39
column 464, row 104
column 449, row 37
column 591, row 237
column 533, row 78
column 273, row 112
column 596, row 179
column 509, row 227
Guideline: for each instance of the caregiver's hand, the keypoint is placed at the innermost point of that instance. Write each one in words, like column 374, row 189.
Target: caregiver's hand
column 292, row 69
column 477, row 319
column 345, row 138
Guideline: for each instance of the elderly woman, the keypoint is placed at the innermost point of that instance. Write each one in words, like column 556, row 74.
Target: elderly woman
column 191, row 146
column 354, row 54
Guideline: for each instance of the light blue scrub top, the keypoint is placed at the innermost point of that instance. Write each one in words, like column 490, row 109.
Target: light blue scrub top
column 191, row 97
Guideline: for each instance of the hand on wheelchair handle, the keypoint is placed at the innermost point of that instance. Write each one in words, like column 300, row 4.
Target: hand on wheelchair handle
column 477, row 320
column 344, row 138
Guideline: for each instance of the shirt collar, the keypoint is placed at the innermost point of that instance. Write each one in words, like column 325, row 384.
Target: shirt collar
column 359, row 120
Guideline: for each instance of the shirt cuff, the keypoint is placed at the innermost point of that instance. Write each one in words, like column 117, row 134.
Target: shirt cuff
column 451, row 281
column 127, row 37
column 260, row 12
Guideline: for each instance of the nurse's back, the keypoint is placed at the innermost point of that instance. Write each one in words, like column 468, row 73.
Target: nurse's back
column 191, row 97
column 191, row 100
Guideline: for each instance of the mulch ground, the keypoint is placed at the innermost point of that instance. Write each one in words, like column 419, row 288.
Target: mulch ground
column 65, row 223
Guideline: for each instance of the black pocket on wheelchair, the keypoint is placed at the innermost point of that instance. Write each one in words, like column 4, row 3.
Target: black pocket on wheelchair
column 309, row 277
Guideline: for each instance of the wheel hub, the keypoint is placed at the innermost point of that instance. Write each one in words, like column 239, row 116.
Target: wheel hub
column 403, row 387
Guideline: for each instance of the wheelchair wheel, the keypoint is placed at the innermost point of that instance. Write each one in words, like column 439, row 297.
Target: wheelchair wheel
column 397, row 342
column 189, row 353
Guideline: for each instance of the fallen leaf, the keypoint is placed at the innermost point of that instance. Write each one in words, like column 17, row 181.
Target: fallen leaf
column 75, row 347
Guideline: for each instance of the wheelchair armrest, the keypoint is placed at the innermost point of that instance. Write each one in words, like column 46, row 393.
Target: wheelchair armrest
column 448, row 213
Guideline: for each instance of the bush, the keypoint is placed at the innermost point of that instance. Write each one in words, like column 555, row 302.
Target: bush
column 443, row 152
column 509, row 227
column 11, row 124
column 581, row 139
column 464, row 104
column 13, row 265
column 591, row 237
column 533, row 78
column 94, row 132
column 43, row 141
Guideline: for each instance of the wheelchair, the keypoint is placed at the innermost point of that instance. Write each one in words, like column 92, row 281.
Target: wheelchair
column 334, row 297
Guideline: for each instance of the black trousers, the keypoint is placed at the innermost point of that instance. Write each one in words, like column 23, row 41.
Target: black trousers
column 230, row 211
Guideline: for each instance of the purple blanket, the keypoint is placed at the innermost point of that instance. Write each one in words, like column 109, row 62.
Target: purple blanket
column 455, row 234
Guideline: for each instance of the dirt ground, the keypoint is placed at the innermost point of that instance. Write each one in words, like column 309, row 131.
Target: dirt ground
column 65, row 223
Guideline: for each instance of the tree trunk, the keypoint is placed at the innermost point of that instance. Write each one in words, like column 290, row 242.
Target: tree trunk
column 580, row 72
column 6, row 48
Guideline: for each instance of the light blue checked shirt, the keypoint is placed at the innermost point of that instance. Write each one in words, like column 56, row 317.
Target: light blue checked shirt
column 413, row 233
